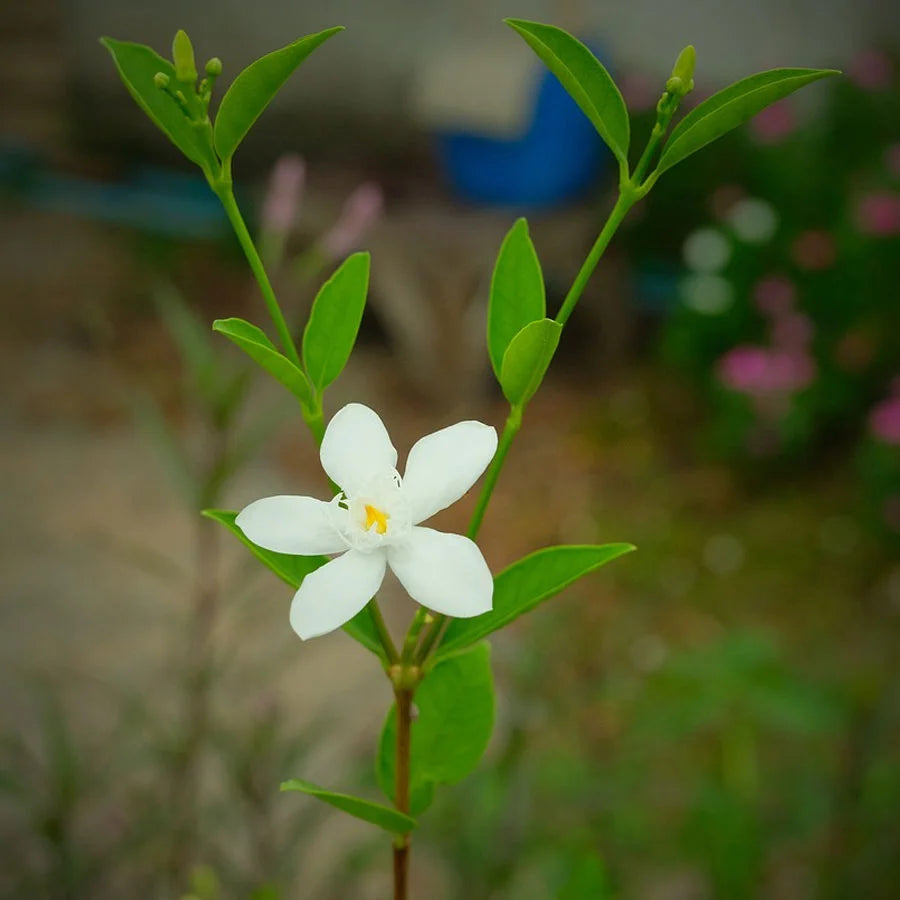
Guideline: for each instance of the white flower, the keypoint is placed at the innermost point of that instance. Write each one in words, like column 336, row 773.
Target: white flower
column 374, row 522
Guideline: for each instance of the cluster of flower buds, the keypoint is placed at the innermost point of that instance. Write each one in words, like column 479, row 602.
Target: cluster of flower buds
column 191, row 97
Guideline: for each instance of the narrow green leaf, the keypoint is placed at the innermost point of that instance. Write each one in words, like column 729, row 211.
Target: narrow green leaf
column 391, row 820
column 292, row 570
column 527, row 358
column 253, row 89
column 172, row 454
column 138, row 66
column 526, row 583
column 584, row 77
column 334, row 321
column 517, row 292
column 732, row 107
column 192, row 338
column 455, row 704
column 253, row 341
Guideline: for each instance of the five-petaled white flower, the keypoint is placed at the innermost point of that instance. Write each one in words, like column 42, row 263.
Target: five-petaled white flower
column 374, row 522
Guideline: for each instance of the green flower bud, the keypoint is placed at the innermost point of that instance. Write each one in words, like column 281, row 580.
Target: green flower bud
column 214, row 67
column 161, row 80
column 183, row 57
column 682, row 79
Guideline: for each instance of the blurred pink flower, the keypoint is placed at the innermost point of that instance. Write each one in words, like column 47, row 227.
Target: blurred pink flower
column 284, row 193
column 872, row 70
column 774, row 295
column 762, row 370
column 878, row 214
column 793, row 331
column 774, row 123
column 884, row 420
column 814, row 250
column 361, row 209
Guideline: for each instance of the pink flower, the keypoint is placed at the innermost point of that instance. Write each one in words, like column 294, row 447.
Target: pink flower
column 884, row 420
column 878, row 214
column 871, row 70
column 762, row 370
column 361, row 210
column 774, row 295
column 773, row 124
column 284, row 193
column 815, row 250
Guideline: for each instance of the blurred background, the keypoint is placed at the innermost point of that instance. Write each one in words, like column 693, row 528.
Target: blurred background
column 715, row 716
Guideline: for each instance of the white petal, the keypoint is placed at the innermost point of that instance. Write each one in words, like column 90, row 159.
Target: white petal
column 442, row 466
column 299, row 525
column 334, row 594
column 356, row 447
column 444, row 572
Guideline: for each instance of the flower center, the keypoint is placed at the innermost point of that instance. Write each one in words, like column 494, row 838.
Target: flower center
column 376, row 517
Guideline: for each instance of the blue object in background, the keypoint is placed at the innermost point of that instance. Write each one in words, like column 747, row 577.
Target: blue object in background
column 557, row 158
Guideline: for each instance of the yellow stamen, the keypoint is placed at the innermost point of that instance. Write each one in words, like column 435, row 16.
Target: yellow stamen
column 376, row 517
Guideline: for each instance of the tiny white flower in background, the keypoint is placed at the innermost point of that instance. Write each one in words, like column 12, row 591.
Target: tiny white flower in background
column 374, row 522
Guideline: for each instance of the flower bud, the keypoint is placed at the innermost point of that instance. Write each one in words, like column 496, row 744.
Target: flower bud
column 682, row 80
column 183, row 57
column 161, row 80
column 214, row 67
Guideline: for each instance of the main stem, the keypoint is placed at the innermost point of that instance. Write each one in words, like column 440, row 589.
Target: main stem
column 626, row 199
column 225, row 193
column 403, row 699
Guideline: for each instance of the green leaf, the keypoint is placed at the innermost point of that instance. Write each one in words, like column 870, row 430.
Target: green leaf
column 192, row 338
column 517, row 292
column 391, row 820
column 527, row 358
column 526, row 583
column 455, row 706
column 253, row 341
column 334, row 321
column 732, row 107
column 292, row 570
column 165, row 441
column 585, row 78
column 138, row 66
column 253, row 89
column 586, row 878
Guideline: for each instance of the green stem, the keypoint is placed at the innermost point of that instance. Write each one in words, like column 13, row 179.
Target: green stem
column 419, row 621
column 626, row 199
column 384, row 635
column 225, row 193
column 510, row 430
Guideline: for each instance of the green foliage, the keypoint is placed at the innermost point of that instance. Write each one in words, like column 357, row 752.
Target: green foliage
column 455, row 719
column 193, row 341
column 253, row 341
column 731, row 107
column 517, row 292
column 334, row 321
column 253, row 89
column 383, row 816
column 526, row 583
column 585, row 78
column 527, row 359
column 138, row 66
column 587, row 879
column 292, row 570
